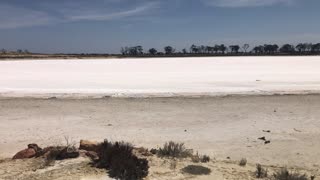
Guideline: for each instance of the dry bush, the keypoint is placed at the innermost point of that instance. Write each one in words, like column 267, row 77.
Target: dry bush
column 121, row 162
column 261, row 172
column 199, row 158
column 174, row 150
column 284, row 174
column 196, row 170
column 51, row 156
column 243, row 162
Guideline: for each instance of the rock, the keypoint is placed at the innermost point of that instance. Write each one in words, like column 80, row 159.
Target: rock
column 25, row 154
column 267, row 142
column 267, row 131
column 262, row 138
column 92, row 155
column 35, row 147
column 89, row 145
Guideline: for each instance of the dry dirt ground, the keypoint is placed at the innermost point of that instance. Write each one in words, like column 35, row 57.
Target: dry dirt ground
column 220, row 127
column 160, row 169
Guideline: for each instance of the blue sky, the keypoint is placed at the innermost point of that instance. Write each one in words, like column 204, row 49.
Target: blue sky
column 104, row 26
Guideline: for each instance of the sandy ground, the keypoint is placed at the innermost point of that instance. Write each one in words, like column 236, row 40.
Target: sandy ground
column 160, row 76
column 218, row 126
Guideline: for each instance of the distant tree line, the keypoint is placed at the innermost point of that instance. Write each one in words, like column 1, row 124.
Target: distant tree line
column 19, row 51
column 266, row 49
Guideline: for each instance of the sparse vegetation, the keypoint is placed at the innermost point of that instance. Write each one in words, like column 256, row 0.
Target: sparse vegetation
column 200, row 158
column 196, row 170
column 121, row 162
column 51, row 156
column 261, row 172
column 243, row 162
column 285, row 174
column 174, row 150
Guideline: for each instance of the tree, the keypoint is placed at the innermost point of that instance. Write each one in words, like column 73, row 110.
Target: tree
column 308, row 46
column 222, row 48
column 209, row 49
column 269, row 48
column 234, row 48
column 245, row 47
column 216, row 48
column 301, row 47
column 153, row 51
column 184, row 51
column 202, row 49
column 139, row 49
column 275, row 48
column 124, row 50
column 194, row 49
column 287, row 48
column 316, row 47
column 3, row 51
column 169, row 50
column 258, row 49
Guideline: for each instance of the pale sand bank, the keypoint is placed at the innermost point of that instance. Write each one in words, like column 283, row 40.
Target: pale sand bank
column 219, row 126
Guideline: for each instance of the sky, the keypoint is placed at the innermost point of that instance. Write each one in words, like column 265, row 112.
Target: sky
column 104, row 26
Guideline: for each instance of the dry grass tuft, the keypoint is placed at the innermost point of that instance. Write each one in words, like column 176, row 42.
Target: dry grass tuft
column 285, row 174
column 174, row 150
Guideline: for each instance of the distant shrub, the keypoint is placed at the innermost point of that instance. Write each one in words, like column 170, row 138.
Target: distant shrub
column 205, row 159
column 261, row 172
column 243, row 162
column 284, row 174
column 199, row 158
column 196, row 170
column 121, row 162
column 174, row 150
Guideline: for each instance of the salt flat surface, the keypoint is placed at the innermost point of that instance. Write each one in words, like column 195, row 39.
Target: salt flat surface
column 161, row 76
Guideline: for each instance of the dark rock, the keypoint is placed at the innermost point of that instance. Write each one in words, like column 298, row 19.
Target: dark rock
column 25, row 154
column 262, row 138
column 267, row 142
